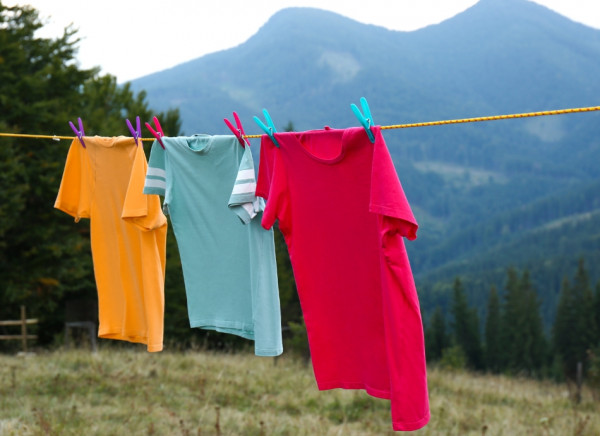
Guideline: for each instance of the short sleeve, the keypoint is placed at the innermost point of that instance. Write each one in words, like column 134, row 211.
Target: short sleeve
column 156, row 176
column 272, row 186
column 142, row 210
column 75, row 192
column 387, row 196
column 243, row 200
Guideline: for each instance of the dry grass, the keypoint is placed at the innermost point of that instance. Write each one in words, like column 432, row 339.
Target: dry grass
column 118, row 392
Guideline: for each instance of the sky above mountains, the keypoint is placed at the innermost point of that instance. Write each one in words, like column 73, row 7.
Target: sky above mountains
column 135, row 38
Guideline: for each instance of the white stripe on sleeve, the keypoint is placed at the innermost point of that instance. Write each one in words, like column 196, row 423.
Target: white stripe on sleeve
column 153, row 183
column 158, row 172
column 244, row 188
column 245, row 174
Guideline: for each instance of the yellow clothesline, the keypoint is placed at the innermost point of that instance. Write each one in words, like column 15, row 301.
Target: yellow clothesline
column 395, row 126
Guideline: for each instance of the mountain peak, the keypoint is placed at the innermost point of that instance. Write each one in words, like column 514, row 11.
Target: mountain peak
column 303, row 17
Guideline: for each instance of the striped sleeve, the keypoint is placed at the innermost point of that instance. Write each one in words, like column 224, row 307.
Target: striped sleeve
column 243, row 200
column 156, row 176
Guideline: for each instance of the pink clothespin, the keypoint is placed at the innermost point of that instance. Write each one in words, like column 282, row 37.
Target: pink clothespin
column 239, row 131
column 79, row 133
column 137, row 133
column 158, row 133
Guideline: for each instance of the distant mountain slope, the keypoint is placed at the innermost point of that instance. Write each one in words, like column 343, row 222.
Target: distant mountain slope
column 468, row 183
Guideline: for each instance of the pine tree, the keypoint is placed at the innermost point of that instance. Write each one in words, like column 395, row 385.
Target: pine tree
column 586, row 317
column 574, row 331
column 493, row 344
column 510, row 317
column 466, row 327
column 436, row 336
column 562, row 331
column 531, row 344
column 524, row 345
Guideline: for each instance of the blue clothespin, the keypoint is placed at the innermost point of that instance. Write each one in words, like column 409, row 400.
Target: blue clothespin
column 79, row 133
column 367, row 119
column 137, row 133
column 270, row 130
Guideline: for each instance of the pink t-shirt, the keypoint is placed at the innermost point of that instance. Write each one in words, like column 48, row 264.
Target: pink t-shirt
column 343, row 214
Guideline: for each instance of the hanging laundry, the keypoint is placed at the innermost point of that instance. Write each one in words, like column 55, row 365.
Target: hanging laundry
column 343, row 214
column 104, row 182
column 228, row 259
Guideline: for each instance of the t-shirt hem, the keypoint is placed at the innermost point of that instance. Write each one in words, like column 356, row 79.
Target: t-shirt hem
column 378, row 393
column 237, row 199
column 232, row 327
column 128, row 336
column 135, row 213
column 241, row 213
column 261, row 194
column 69, row 211
column 411, row 425
column 155, row 348
column 410, row 231
column 268, row 352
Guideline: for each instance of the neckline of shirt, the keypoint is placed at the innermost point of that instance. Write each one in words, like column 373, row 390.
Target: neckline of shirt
column 330, row 131
column 111, row 141
column 186, row 141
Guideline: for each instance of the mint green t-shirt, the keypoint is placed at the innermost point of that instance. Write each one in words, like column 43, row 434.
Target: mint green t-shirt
column 228, row 258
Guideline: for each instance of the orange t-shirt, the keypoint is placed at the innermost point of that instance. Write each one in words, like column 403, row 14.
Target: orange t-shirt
column 104, row 182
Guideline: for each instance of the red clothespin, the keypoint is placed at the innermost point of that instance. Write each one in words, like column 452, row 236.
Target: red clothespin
column 158, row 133
column 79, row 133
column 137, row 133
column 239, row 131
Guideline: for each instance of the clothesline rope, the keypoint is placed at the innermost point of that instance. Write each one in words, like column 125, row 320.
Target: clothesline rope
column 394, row 126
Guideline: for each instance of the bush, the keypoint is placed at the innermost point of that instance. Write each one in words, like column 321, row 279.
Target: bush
column 453, row 358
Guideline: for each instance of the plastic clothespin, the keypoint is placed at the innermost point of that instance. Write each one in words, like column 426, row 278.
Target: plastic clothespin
column 367, row 119
column 79, row 133
column 270, row 130
column 239, row 131
column 137, row 133
column 158, row 133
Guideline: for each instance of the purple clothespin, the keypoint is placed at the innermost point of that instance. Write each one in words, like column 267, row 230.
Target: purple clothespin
column 79, row 133
column 239, row 131
column 137, row 133
column 158, row 133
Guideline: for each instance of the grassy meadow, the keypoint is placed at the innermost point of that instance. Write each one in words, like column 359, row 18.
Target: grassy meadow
column 130, row 392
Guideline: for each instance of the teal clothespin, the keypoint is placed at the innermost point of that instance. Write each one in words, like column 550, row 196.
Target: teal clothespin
column 270, row 130
column 367, row 119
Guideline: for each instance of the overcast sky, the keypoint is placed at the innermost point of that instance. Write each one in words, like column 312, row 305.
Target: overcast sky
column 132, row 38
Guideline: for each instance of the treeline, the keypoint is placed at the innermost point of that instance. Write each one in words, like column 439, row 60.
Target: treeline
column 513, row 340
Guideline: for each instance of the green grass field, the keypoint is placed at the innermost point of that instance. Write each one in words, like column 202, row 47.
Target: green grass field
column 125, row 392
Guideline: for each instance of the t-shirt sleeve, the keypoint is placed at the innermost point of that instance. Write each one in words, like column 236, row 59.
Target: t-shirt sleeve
column 272, row 186
column 142, row 210
column 75, row 192
column 387, row 196
column 243, row 200
column 156, row 176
